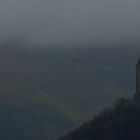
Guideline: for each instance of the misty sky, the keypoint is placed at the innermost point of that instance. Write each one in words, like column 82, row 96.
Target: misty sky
column 70, row 21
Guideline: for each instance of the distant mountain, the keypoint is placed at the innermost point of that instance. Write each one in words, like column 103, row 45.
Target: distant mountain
column 120, row 122
column 75, row 84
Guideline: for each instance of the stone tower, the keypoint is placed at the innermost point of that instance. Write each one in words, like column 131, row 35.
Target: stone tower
column 138, row 76
column 137, row 94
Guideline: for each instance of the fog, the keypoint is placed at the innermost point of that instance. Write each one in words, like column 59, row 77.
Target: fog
column 58, row 22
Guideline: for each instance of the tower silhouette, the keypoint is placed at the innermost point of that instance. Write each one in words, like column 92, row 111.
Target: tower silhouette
column 138, row 76
column 137, row 94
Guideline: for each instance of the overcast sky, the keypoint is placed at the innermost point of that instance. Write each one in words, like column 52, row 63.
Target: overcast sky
column 70, row 21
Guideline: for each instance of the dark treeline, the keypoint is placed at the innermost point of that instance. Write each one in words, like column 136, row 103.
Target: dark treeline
column 119, row 122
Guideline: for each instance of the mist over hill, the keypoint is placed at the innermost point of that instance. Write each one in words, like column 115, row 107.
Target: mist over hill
column 62, row 22
column 62, row 62
column 49, row 91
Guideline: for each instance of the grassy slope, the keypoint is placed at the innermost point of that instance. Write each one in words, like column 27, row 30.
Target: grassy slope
column 26, row 110
column 73, row 82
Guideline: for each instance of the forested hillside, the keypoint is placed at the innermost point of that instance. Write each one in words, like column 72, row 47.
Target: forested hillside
column 45, row 92
column 121, row 121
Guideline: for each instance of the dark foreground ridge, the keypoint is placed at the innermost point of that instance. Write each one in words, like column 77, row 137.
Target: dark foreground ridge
column 119, row 122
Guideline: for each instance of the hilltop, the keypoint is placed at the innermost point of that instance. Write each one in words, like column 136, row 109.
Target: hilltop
column 121, row 121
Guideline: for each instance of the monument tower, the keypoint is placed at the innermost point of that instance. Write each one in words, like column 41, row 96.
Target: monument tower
column 137, row 94
column 138, row 76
